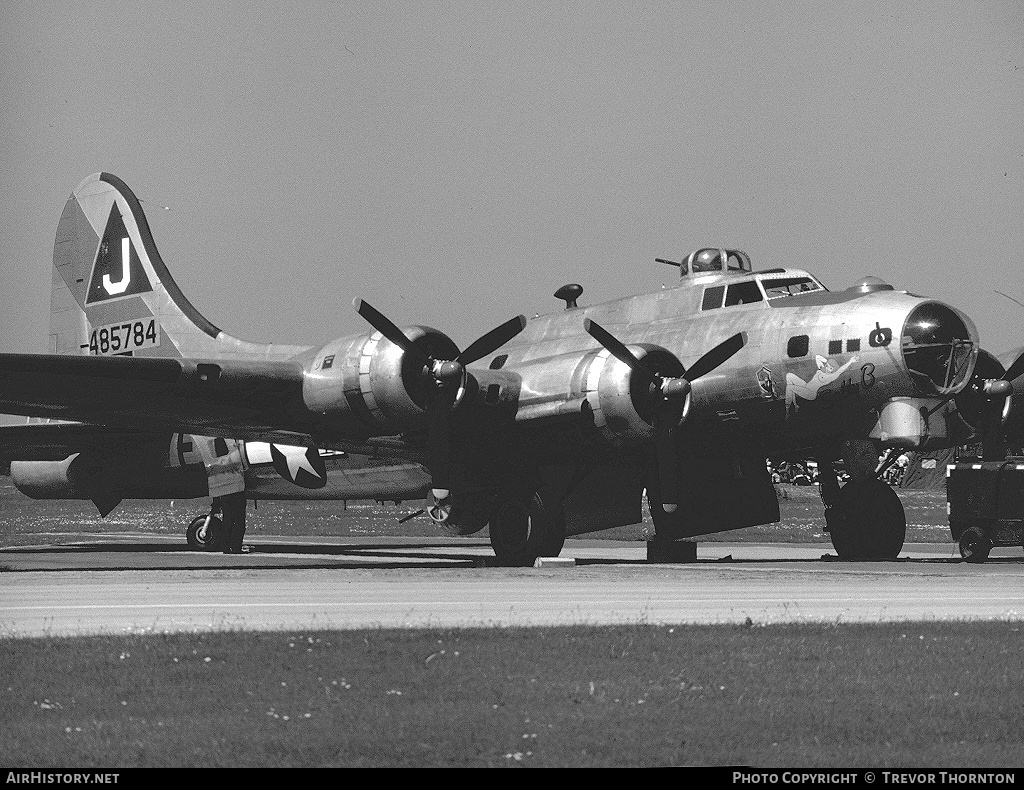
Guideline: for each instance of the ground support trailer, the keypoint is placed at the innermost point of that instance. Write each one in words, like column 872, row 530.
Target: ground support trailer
column 985, row 504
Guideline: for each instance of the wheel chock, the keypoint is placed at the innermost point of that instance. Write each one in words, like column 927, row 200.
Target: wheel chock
column 671, row 550
column 554, row 562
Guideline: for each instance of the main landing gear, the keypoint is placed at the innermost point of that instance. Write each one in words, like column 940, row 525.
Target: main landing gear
column 526, row 525
column 865, row 518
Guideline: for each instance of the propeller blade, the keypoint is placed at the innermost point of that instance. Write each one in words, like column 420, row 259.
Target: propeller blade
column 383, row 324
column 493, row 340
column 618, row 350
column 993, row 442
column 439, row 439
column 1016, row 369
column 666, row 420
column 716, row 356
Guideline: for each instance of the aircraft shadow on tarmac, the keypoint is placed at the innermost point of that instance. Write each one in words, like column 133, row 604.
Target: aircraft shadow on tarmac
column 95, row 555
column 154, row 556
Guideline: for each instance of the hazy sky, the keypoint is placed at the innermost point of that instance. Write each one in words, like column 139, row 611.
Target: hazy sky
column 455, row 163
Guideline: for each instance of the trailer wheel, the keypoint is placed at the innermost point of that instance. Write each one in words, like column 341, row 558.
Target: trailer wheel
column 975, row 545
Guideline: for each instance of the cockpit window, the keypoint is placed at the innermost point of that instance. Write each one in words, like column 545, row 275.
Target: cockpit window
column 712, row 297
column 780, row 287
column 746, row 292
column 743, row 293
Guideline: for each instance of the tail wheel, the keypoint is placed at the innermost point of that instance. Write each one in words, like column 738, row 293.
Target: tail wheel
column 867, row 521
column 975, row 545
column 524, row 526
column 209, row 539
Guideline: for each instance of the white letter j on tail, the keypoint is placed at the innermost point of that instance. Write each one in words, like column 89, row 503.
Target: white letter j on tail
column 119, row 287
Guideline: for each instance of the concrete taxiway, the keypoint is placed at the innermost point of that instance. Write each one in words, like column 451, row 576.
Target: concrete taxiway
column 124, row 583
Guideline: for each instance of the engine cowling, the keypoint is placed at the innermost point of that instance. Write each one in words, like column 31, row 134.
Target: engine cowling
column 623, row 404
column 620, row 404
column 367, row 383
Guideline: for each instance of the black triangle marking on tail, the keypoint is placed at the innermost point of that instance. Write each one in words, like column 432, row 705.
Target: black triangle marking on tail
column 118, row 271
column 163, row 275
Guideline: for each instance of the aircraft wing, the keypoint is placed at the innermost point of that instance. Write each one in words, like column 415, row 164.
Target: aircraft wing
column 253, row 400
column 56, row 441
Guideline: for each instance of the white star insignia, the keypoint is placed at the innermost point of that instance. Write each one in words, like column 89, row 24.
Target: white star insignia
column 296, row 459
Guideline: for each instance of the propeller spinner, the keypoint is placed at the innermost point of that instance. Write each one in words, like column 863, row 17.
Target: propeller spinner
column 446, row 375
column 672, row 392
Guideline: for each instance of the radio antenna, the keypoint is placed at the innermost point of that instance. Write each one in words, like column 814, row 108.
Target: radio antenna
column 1010, row 298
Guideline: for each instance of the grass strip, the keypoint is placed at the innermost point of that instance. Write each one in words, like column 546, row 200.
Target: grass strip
column 935, row 694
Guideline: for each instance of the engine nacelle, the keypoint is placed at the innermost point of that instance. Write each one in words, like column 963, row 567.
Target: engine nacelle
column 623, row 407
column 620, row 404
column 367, row 384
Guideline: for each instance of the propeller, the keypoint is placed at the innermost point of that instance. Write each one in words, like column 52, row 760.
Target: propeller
column 1015, row 369
column 445, row 377
column 672, row 392
column 996, row 391
column 981, row 403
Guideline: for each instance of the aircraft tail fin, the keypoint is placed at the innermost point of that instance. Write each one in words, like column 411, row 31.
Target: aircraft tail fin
column 112, row 293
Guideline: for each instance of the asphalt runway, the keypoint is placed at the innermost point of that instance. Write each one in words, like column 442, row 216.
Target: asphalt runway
column 124, row 583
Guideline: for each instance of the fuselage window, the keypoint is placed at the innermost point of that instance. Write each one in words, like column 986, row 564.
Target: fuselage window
column 777, row 288
column 712, row 297
column 798, row 346
column 498, row 361
column 743, row 293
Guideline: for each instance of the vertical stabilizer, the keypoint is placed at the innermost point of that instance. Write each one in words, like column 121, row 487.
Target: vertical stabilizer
column 112, row 293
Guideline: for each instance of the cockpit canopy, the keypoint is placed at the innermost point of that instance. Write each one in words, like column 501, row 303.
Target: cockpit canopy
column 747, row 290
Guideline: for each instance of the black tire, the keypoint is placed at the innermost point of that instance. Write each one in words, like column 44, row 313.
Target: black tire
column 867, row 521
column 214, row 534
column 523, row 527
column 975, row 545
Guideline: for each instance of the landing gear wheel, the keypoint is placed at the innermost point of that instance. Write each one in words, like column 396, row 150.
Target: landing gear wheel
column 524, row 527
column 975, row 545
column 867, row 521
column 208, row 540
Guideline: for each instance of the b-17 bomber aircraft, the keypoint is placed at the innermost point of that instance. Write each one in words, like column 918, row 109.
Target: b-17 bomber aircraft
column 539, row 429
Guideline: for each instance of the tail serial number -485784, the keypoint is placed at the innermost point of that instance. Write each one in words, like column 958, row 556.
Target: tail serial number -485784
column 126, row 336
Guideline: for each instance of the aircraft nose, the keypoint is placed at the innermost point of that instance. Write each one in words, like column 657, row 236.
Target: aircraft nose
column 938, row 349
